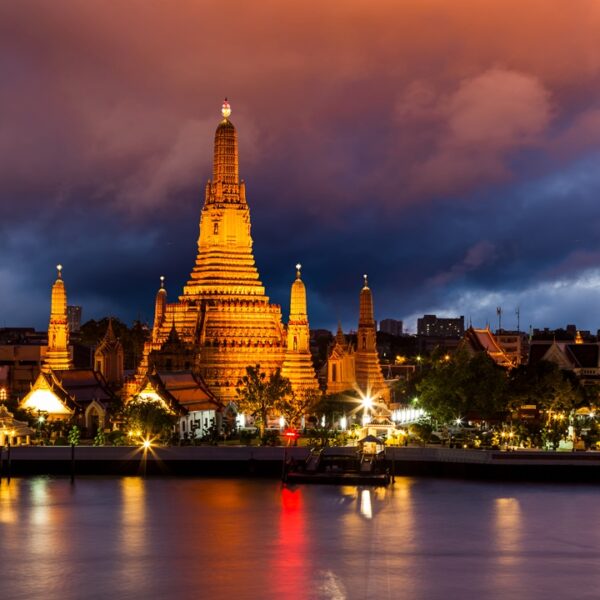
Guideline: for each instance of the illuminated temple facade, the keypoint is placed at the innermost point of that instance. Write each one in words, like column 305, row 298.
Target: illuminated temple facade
column 224, row 322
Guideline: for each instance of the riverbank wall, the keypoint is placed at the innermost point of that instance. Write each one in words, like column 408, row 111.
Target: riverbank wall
column 245, row 461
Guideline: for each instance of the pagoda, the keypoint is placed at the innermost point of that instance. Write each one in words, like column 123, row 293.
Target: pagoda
column 298, row 365
column 224, row 312
column 369, row 377
column 58, row 357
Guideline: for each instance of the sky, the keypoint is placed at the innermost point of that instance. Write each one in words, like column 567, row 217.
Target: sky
column 450, row 150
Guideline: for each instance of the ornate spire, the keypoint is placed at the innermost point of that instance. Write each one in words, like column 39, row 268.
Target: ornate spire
column 366, row 306
column 339, row 336
column 297, row 364
column 298, row 298
column 366, row 284
column 225, row 165
column 57, row 356
column 160, row 307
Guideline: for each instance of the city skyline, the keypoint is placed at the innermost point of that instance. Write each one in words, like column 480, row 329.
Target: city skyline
column 452, row 156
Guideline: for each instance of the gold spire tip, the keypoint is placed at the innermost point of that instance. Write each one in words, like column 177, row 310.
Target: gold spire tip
column 59, row 269
column 298, row 268
column 365, row 278
column 226, row 109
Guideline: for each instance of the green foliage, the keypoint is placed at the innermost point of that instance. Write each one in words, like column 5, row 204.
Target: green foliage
column 74, row 435
column 100, row 439
column 258, row 395
column 334, row 406
column 461, row 385
column 270, row 438
column 422, row 430
column 292, row 407
column 150, row 418
column 116, row 438
column 546, row 386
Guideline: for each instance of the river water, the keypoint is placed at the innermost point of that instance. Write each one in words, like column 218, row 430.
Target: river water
column 127, row 538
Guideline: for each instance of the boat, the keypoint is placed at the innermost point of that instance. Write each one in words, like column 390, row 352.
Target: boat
column 364, row 464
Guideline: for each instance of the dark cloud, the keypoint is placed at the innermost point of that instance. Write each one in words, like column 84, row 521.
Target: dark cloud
column 449, row 151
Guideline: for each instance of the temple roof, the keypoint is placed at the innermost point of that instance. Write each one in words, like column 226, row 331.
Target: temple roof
column 482, row 340
column 183, row 391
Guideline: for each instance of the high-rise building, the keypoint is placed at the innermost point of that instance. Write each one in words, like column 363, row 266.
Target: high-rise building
column 390, row 326
column 433, row 326
column 74, row 318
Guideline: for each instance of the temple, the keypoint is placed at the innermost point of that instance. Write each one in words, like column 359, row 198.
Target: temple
column 298, row 365
column 369, row 377
column 358, row 369
column 223, row 321
column 58, row 357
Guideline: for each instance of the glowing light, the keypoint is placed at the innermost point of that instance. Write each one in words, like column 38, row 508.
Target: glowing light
column 226, row 109
column 343, row 423
column 365, row 504
column 367, row 402
column 241, row 420
column 458, row 421
column 366, row 419
column 281, row 422
column 146, row 444
column 298, row 266
column 41, row 400
column 323, row 421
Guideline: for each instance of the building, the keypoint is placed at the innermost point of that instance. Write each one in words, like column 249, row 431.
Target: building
column 358, row 368
column 581, row 358
column 61, row 392
column 223, row 320
column 109, row 358
column 297, row 363
column 433, row 326
column 483, row 340
column 74, row 318
column 340, row 366
column 515, row 344
column 187, row 396
column 391, row 326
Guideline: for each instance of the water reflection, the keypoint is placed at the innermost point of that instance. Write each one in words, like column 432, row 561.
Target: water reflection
column 508, row 529
column 292, row 554
column 133, row 514
column 186, row 538
column 9, row 497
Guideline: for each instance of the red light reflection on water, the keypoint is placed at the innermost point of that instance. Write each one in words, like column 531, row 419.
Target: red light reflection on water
column 291, row 561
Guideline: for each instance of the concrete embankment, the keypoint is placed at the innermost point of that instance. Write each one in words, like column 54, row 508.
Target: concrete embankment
column 244, row 461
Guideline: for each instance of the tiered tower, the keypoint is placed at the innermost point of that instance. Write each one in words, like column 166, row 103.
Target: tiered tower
column 297, row 364
column 223, row 311
column 57, row 355
column 368, row 371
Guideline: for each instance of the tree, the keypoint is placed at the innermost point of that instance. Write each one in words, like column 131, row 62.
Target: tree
column 463, row 384
column 292, row 407
column 257, row 394
column 74, row 435
column 150, row 418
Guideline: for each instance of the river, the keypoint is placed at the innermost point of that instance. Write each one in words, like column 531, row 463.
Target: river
column 133, row 538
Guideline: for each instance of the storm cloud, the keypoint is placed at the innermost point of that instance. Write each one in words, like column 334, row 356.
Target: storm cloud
column 449, row 150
